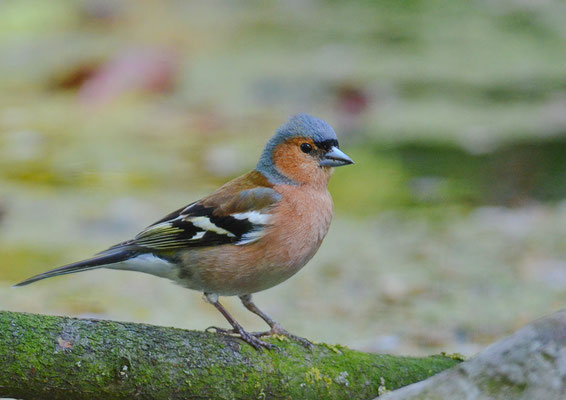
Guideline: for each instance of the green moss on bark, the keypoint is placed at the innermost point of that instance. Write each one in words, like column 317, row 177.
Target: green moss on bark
column 66, row 358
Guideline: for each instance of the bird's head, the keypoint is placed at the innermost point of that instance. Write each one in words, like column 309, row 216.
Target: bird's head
column 302, row 151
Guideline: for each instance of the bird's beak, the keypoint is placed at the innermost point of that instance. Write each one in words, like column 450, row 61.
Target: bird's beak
column 335, row 158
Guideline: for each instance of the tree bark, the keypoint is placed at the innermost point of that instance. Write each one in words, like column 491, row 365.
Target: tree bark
column 530, row 364
column 67, row 358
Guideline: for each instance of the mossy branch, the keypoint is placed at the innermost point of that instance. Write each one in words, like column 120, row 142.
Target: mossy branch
column 66, row 358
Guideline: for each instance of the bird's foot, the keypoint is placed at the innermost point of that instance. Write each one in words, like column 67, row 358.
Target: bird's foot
column 278, row 330
column 255, row 341
column 222, row 331
column 250, row 338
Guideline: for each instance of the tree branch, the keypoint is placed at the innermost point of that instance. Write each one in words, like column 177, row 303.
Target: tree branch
column 66, row 358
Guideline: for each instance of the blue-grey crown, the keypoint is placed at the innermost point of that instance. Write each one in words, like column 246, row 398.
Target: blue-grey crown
column 300, row 125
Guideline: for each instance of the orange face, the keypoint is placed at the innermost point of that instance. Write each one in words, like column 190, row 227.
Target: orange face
column 299, row 159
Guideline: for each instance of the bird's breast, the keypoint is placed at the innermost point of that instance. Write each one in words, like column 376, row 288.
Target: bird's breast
column 298, row 224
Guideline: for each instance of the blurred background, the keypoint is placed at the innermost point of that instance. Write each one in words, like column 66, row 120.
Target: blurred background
column 450, row 230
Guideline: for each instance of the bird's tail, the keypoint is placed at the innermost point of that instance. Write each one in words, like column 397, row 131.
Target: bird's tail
column 98, row 261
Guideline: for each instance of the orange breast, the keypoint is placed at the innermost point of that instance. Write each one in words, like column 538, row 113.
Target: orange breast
column 298, row 226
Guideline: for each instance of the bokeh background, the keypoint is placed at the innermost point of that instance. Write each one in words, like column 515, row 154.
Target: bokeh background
column 450, row 230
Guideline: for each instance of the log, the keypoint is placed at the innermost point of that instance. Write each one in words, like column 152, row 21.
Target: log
column 68, row 358
column 530, row 364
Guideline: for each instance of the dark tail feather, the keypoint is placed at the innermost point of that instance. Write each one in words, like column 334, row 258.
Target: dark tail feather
column 92, row 263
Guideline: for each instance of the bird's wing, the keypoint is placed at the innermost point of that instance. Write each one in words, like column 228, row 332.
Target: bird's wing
column 224, row 218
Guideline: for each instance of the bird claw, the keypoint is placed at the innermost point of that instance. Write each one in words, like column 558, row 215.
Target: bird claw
column 249, row 338
column 223, row 331
column 255, row 342
column 278, row 330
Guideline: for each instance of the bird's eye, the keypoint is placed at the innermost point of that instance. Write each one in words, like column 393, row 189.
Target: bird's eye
column 306, row 148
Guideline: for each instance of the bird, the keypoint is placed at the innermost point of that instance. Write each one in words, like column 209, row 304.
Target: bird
column 251, row 234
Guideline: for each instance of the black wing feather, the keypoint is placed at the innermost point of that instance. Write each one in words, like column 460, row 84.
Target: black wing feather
column 202, row 225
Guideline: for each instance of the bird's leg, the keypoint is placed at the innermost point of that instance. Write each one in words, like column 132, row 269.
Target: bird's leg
column 237, row 328
column 276, row 328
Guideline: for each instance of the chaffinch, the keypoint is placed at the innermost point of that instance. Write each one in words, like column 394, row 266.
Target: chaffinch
column 253, row 233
